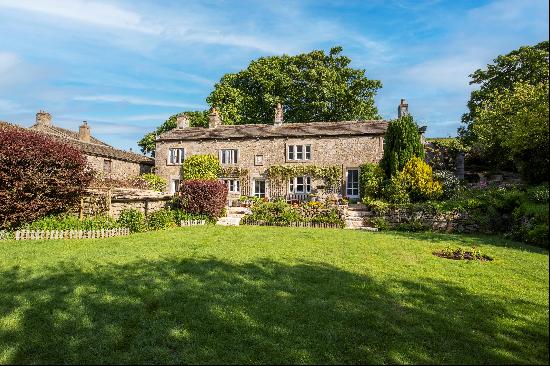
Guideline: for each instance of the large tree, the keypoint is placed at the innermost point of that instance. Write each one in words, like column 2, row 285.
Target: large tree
column 517, row 119
column 196, row 119
column 526, row 65
column 312, row 86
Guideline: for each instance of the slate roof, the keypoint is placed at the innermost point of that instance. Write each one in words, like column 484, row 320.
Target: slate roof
column 95, row 147
column 312, row 129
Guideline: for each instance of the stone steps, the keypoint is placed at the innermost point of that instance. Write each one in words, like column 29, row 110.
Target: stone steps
column 355, row 218
column 229, row 221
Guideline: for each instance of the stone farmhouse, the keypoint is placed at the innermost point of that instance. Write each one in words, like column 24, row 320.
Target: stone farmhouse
column 105, row 160
column 251, row 149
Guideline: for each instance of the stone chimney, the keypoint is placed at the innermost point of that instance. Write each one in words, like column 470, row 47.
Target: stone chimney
column 403, row 109
column 43, row 119
column 84, row 132
column 278, row 121
column 215, row 120
column 182, row 122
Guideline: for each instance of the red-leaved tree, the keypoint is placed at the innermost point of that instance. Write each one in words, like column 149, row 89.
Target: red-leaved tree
column 38, row 176
column 206, row 197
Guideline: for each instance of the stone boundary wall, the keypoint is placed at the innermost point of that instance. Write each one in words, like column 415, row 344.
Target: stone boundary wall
column 112, row 201
column 451, row 222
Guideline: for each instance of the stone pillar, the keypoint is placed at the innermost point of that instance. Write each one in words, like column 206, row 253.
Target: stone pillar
column 459, row 166
column 214, row 119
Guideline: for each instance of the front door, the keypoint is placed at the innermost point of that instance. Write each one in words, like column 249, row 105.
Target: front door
column 352, row 183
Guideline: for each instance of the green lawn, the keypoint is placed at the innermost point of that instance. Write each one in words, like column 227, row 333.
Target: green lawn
column 271, row 295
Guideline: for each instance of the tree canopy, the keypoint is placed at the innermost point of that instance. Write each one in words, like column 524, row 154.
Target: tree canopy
column 312, row 87
column 196, row 119
column 506, row 103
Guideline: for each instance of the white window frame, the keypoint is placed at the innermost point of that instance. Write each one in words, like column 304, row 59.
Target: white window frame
column 173, row 154
column 303, row 181
column 298, row 152
column 229, row 156
column 174, row 188
column 233, row 185
column 357, row 183
column 259, row 194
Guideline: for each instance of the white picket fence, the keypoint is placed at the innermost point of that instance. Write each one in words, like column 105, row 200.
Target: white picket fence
column 325, row 225
column 192, row 222
column 69, row 234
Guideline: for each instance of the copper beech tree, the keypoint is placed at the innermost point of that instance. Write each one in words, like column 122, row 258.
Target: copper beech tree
column 38, row 176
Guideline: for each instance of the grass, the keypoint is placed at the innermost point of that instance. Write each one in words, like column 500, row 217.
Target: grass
column 272, row 295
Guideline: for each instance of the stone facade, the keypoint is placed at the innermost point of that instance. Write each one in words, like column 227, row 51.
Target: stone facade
column 105, row 160
column 347, row 145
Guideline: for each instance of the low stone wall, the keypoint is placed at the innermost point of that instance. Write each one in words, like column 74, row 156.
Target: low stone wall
column 459, row 222
column 112, row 201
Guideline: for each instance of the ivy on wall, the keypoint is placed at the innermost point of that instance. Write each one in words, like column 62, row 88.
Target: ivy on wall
column 331, row 175
column 233, row 172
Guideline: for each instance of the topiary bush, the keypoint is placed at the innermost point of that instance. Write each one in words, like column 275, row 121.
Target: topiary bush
column 132, row 219
column 203, row 197
column 418, row 177
column 371, row 178
column 205, row 167
column 401, row 143
column 38, row 176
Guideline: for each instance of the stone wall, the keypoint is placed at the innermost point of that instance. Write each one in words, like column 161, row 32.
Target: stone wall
column 119, row 169
column 459, row 222
column 112, row 202
column 346, row 152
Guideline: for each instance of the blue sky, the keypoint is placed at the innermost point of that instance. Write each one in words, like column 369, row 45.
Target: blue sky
column 126, row 66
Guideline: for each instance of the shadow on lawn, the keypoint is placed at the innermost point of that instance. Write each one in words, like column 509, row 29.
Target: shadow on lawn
column 468, row 239
column 209, row 311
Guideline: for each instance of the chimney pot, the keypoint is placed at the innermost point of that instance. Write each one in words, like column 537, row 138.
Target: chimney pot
column 84, row 132
column 214, row 119
column 43, row 118
column 278, row 121
column 403, row 109
column 182, row 121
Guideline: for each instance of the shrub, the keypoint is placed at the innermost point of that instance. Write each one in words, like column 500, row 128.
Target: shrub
column 539, row 194
column 203, row 197
column 38, row 176
column 380, row 223
column 154, row 182
column 71, row 222
column 371, row 179
column 132, row 219
column 418, row 177
column 206, row 167
column 394, row 190
column 449, row 181
column 180, row 215
column 160, row 219
column 402, row 142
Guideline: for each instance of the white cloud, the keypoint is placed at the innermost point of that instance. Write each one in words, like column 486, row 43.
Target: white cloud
column 91, row 12
column 106, row 98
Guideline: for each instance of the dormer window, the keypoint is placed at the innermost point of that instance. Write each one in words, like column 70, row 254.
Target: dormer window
column 298, row 152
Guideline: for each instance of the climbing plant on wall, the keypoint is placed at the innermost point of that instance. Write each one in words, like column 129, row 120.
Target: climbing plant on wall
column 331, row 175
